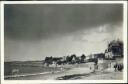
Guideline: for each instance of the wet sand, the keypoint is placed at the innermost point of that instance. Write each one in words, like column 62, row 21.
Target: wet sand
column 71, row 69
column 79, row 72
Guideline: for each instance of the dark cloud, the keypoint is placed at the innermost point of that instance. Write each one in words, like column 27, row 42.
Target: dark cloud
column 36, row 22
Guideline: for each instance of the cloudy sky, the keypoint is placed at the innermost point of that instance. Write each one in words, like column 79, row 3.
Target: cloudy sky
column 33, row 32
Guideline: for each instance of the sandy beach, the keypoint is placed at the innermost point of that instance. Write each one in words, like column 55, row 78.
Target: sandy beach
column 78, row 72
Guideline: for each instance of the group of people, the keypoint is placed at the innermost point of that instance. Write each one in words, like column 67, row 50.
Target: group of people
column 118, row 67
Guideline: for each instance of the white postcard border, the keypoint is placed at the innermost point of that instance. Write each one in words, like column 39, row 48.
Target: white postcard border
column 64, row 81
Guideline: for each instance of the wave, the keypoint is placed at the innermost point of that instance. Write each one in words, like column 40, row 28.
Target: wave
column 14, row 76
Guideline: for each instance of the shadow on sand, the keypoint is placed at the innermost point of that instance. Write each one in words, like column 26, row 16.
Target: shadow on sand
column 79, row 76
column 74, row 76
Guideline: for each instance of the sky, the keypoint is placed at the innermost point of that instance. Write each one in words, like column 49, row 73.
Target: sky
column 33, row 32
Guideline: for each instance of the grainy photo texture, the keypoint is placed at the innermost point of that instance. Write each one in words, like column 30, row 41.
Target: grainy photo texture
column 63, row 42
column 63, row 0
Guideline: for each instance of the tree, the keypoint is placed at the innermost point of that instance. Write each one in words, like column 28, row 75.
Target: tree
column 83, row 57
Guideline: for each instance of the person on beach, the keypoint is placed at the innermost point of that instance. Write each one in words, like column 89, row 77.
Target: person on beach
column 95, row 64
column 115, row 67
column 90, row 67
column 120, row 67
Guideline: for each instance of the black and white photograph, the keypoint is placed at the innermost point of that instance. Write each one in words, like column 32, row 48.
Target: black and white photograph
column 63, row 0
column 64, row 41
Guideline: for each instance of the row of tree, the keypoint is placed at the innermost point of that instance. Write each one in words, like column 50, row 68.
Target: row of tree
column 73, row 59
